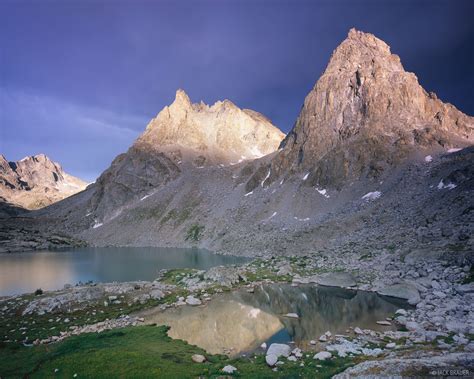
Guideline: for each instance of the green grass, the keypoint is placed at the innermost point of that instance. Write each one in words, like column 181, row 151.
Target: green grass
column 142, row 352
column 469, row 278
column 194, row 232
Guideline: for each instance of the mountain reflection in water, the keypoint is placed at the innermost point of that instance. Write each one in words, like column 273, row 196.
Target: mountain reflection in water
column 240, row 321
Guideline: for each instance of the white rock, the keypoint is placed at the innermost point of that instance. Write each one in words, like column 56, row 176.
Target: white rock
column 191, row 300
column 323, row 338
column 323, row 355
column 263, row 346
column 229, row 369
column 312, row 342
column 391, row 345
column 385, row 323
column 198, row 358
column 271, row 359
column 292, row 315
column 401, row 312
column 275, row 351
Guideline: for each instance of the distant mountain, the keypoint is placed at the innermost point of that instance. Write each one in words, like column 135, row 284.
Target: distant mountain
column 35, row 182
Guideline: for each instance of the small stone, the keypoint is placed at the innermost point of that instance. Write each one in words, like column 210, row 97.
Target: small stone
column 229, row 369
column 263, row 346
column 391, row 345
column 358, row 330
column 385, row 323
column 312, row 342
column 292, row 315
column 292, row 358
column 322, row 355
column 198, row 358
column 191, row 300
column 401, row 312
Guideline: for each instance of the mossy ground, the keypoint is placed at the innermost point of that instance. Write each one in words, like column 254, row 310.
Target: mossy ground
column 143, row 351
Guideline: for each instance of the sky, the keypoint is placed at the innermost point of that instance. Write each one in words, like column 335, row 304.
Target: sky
column 80, row 79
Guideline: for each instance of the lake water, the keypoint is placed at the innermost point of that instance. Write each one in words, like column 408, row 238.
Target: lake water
column 25, row 272
column 239, row 322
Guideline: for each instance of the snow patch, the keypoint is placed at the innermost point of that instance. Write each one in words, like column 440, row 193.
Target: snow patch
column 372, row 196
column 88, row 214
column 266, row 177
column 254, row 312
column 281, row 182
column 454, row 150
column 144, row 197
column 97, row 225
column 306, row 176
column 450, row 186
column 323, row 192
column 428, row 159
column 249, row 193
column 301, row 219
column 273, row 215
column 256, row 152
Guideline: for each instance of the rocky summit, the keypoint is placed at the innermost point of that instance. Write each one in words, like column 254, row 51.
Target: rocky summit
column 364, row 116
column 35, row 182
column 217, row 134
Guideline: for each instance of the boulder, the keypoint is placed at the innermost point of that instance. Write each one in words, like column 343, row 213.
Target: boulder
column 191, row 300
column 404, row 291
column 275, row 351
column 198, row 358
column 323, row 355
column 336, row 279
column 229, row 369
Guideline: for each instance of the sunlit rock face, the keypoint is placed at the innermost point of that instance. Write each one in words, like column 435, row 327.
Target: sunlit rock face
column 225, row 325
column 221, row 133
column 35, row 182
column 364, row 115
column 184, row 136
column 239, row 322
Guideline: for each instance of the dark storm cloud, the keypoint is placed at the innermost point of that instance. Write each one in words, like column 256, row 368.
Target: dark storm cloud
column 80, row 79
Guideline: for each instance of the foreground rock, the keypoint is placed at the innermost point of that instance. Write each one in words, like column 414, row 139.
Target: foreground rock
column 275, row 351
column 336, row 279
column 402, row 291
column 81, row 297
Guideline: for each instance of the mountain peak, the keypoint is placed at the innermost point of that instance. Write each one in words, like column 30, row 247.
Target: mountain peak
column 221, row 133
column 182, row 98
column 36, row 181
column 365, row 114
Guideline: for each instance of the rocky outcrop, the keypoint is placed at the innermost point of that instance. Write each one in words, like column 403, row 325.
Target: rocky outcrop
column 366, row 114
column 35, row 182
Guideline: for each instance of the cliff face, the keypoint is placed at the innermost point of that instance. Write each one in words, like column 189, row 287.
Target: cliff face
column 364, row 115
column 35, row 182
